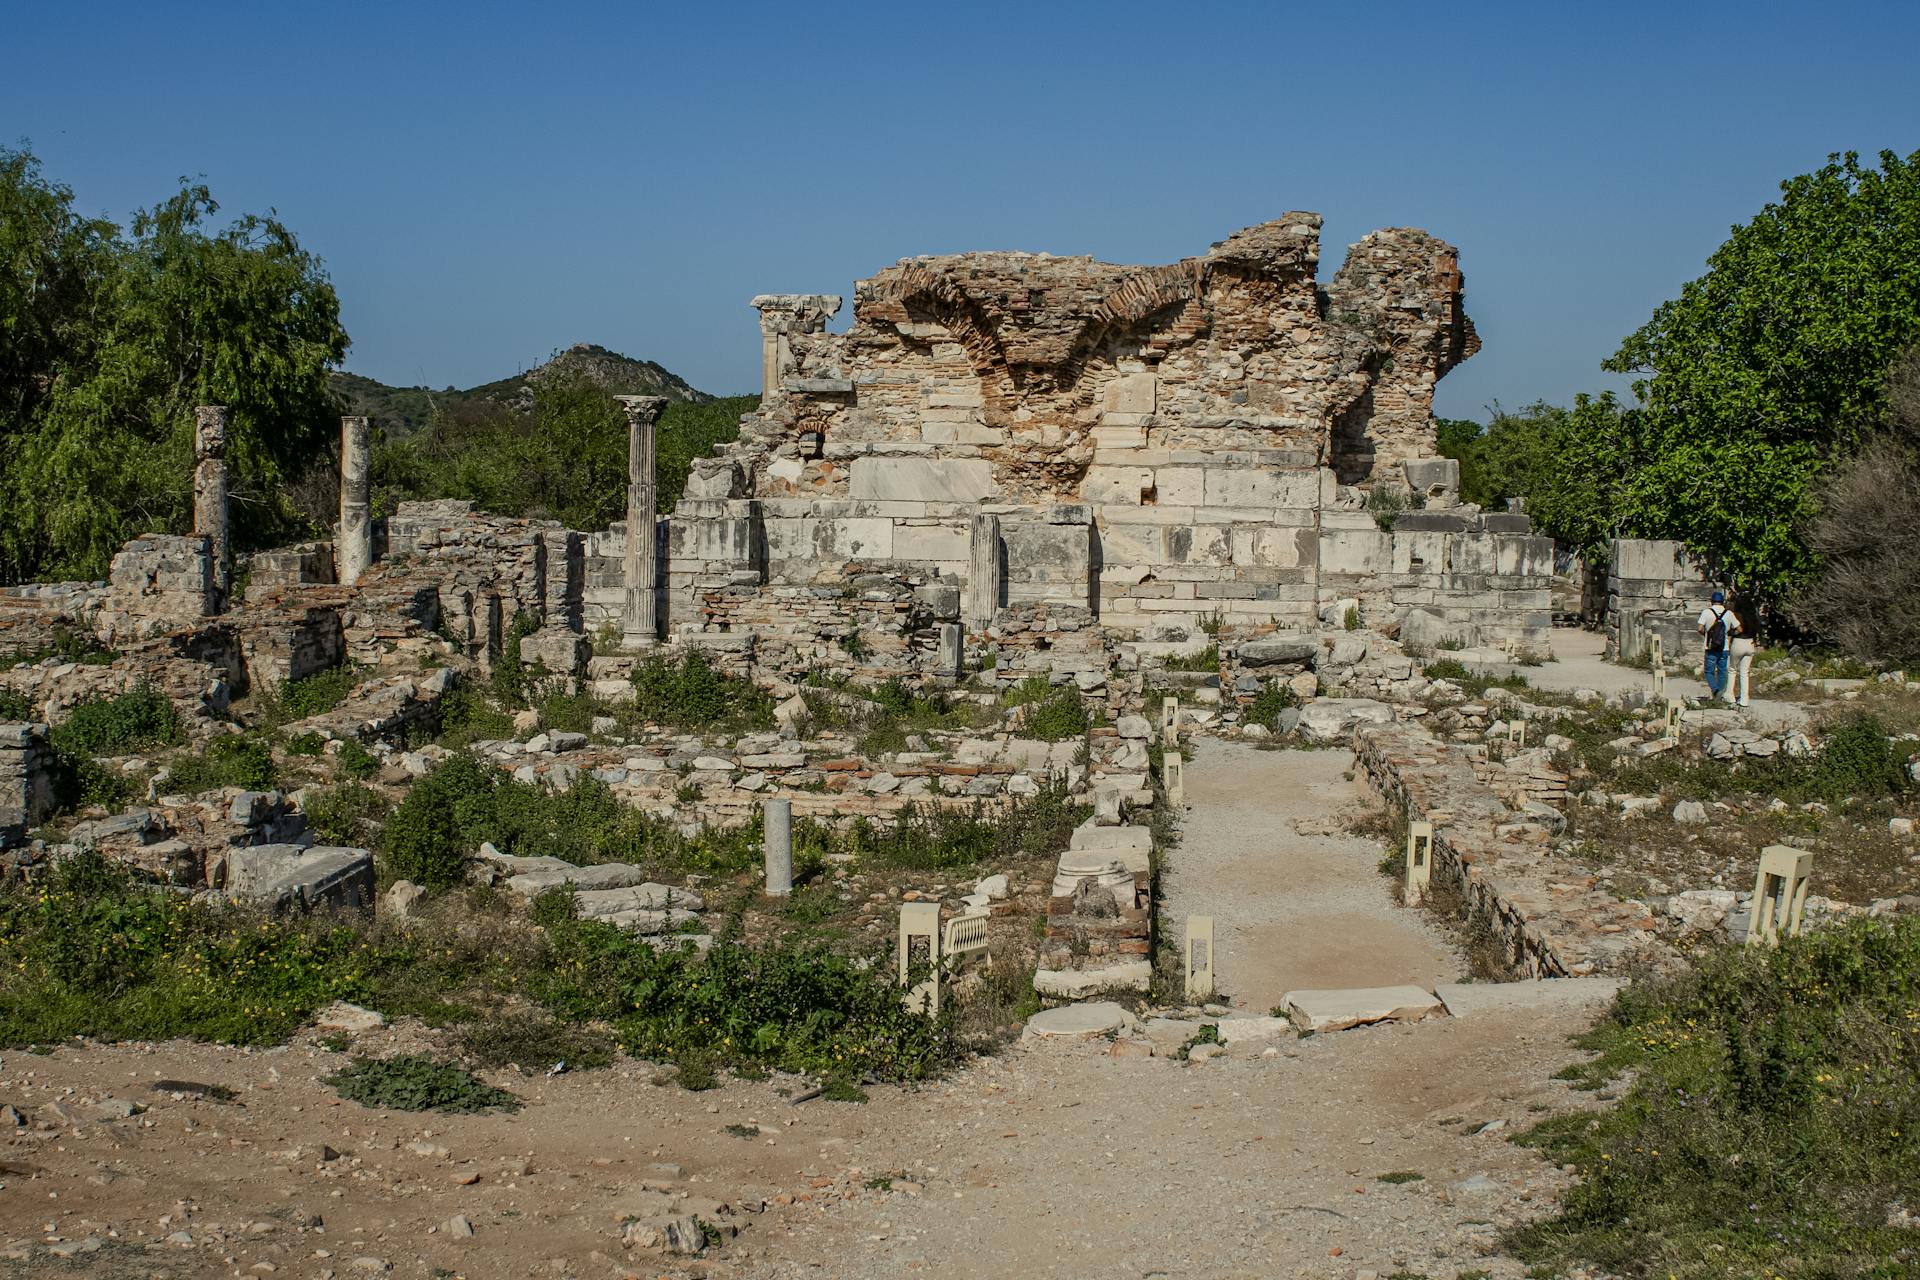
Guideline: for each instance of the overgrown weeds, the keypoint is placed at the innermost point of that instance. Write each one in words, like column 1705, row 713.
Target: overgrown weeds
column 1769, row 1127
column 692, row 695
column 416, row 1082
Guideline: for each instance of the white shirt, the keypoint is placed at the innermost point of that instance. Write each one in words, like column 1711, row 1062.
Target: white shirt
column 1733, row 619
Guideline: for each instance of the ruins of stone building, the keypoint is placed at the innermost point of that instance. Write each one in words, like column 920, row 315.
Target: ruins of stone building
column 1067, row 463
column 1145, row 448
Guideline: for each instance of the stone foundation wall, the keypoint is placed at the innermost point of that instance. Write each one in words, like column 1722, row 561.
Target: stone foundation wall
column 1547, row 910
column 487, row 569
column 158, row 583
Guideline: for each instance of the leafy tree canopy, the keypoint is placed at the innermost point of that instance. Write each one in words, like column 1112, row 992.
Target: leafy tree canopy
column 1770, row 367
column 112, row 336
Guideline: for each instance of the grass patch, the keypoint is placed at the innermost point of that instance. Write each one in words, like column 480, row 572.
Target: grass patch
column 1054, row 712
column 141, row 719
column 415, row 1082
column 532, row 1040
column 1400, row 1177
column 1276, row 696
column 1770, row 1124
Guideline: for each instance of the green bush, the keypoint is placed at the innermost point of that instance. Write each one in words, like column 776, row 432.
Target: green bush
column 693, row 695
column 312, row 695
column 512, row 677
column 1058, row 712
column 427, row 838
column 1447, row 669
column 1276, row 696
column 356, row 761
column 15, row 706
column 1770, row 1121
column 795, row 1008
column 468, row 714
column 1858, row 759
column 139, row 720
column 87, row 952
column 235, row 760
column 347, row 815
column 415, row 1082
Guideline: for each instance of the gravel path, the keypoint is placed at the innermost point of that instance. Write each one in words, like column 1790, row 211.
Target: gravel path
column 1291, row 910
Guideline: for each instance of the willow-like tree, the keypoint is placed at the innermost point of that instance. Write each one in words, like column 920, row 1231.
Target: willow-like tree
column 112, row 336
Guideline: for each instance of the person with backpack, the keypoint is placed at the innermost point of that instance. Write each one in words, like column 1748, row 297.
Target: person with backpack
column 1719, row 625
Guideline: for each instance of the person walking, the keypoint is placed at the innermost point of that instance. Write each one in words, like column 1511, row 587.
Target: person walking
column 1740, row 652
column 1719, row 625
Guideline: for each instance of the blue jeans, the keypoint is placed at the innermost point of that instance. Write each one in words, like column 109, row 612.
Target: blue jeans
column 1716, row 673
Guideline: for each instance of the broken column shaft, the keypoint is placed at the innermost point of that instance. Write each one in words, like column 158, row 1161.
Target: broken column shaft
column 777, row 822
column 210, row 494
column 353, row 553
column 641, row 624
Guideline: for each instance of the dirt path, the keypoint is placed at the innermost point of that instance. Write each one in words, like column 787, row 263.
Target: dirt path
column 1578, row 664
column 1291, row 910
column 1056, row 1160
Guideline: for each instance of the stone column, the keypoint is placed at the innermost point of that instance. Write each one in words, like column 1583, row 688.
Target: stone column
column 777, row 822
column 641, row 624
column 988, row 569
column 353, row 553
column 210, row 494
column 783, row 314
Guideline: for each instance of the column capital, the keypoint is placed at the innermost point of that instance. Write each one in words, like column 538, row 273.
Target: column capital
column 210, row 430
column 796, row 312
column 642, row 410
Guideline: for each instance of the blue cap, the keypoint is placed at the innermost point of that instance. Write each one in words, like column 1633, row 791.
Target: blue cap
column 1719, row 597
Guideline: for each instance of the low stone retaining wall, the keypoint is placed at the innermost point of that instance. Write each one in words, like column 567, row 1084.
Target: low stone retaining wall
column 1547, row 910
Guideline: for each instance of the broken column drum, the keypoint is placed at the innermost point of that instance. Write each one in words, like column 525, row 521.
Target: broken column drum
column 641, row 625
column 210, row 493
column 353, row 554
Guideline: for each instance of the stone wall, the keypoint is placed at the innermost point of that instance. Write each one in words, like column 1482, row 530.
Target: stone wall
column 26, row 780
column 1548, row 910
column 487, row 569
column 1654, row 587
column 158, row 583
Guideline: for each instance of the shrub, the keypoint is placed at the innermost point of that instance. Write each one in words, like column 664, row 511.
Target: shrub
column 139, row 720
column 1866, row 531
column 348, row 815
column 928, row 839
column 1062, row 715
column 511, row 676
column 356, row 761
column 1447, row 669
column 15, row 706
column 1267, row 705
column 692, row 695
column 1769, row 1124
column 312, row 695
column 427, row 837
column 467, row 716
column 796, row 1008
column 415, row 1082
column 236, row 760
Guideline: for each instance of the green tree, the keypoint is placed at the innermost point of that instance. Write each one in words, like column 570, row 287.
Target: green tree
column 122, row 334
column 1771, row 366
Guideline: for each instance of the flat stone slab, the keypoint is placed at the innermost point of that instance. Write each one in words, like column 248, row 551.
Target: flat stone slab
column 608, row 875
column 595, row 903
column 1071, row 984
column 1131, row 845
column 1079, row 1021
column 1337, row 1010
column 1235, row 1030
column 1466, row 999
column 286, row 875
column 1171, row 1032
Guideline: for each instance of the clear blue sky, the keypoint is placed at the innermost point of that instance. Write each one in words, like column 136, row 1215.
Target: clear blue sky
column 488, row 183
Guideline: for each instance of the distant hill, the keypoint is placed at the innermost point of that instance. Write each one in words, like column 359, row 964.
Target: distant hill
column 401, row 411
